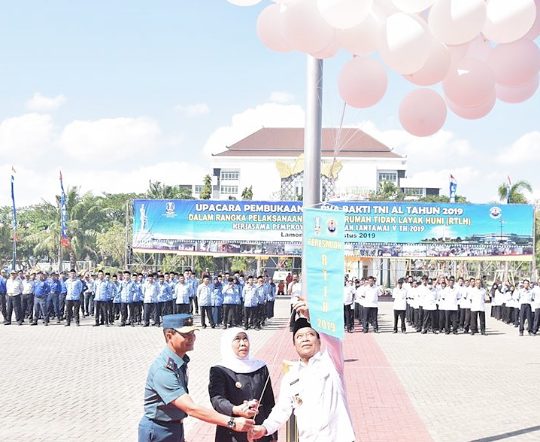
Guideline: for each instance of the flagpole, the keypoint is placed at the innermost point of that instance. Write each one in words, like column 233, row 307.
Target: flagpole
column 14, row 255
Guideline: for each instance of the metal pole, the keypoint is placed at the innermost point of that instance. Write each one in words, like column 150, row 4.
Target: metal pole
column 14, row 257
column 312, row 143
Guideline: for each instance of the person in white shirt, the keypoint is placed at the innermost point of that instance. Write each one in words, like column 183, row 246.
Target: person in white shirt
column 348, row 305
column 400, row 305
column 478, row 297
column 359, row 300
column 449, row 305
column 536, row 308
column 14, row 289
column 371, row 295
column 313, row 389
column 525, row 298
column 429, row 303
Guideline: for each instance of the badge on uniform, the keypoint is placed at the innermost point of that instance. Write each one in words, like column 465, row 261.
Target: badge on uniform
column 298, row 400
column 171, row 365
column 238, row 385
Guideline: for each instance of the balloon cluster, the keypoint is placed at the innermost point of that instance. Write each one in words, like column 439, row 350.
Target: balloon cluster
column 479, row 50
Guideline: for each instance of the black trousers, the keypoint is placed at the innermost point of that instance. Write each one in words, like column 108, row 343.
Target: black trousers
column 370, row 317
column 536, row 322
column 14, row 303
column 101, row 312
column 475, row 316
column 207, row 311
column 181, row 308
column 450, row 321
column 27, row 302
column 125, row 309
column 348, row 314
column 72, row 311
column 466, row 319
column 250, row 315
column 427, row 322
column 401, row 315
column 3, row 305
column 229, row 315
column 525, row 314
column 147, row 313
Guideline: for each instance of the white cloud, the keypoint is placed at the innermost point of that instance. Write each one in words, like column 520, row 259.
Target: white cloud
column 112, row 139
column 26, row 138
column 193, row 110
column 251, row 120
column 40, row 103
column 281, row 97
column 524, row 150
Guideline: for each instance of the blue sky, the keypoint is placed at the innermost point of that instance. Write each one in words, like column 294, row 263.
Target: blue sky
column 117, row 93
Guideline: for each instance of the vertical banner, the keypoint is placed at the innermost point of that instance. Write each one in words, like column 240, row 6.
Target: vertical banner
column 13, row 200
column 63, row 215
column 453, row 188
column 325, row 264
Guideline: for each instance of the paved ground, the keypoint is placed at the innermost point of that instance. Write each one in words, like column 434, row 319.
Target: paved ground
column 86, row 384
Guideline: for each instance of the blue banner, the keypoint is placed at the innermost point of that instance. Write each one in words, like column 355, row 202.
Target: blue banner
column 372, row 229
column 325, row 262
column 64, row 241
column 14, row 208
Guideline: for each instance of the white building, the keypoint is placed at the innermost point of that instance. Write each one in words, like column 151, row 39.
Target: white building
column 354, row 165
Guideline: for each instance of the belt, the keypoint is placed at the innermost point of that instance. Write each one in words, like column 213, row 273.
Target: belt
column 181, row 421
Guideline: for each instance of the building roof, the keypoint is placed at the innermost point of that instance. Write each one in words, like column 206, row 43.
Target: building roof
column 289, row 142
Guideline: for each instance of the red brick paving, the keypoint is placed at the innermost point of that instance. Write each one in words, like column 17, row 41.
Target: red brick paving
column 380, row 409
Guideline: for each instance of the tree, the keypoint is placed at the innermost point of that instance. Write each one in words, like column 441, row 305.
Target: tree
column 206, row 192
column 247, row 193
column 157, row 190
column 388, row 191
column 514, row 193
column 111, row 245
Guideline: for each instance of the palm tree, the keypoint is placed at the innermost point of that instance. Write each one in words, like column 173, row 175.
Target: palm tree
column 514, row 194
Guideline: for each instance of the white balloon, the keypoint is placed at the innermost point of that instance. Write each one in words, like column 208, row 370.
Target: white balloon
column 344, row 14
column 363, row 38
column 412, row 6
column 405, row 43
column 473, row 112
column 509, row 20
column 244, row 2
column 332, row 49
column 455, row 22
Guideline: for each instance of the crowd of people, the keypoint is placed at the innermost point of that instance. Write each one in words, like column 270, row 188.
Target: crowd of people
column 443, row 305
column 131, row 299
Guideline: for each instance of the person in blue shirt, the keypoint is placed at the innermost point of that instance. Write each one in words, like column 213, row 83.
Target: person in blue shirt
column 3, row 299
column 204, row 295
column 41, row 292
column 231, row 299
column 115, row 311
column 74, row 288
column 101, row 297
column 53, row 297
column 217, row 300
column 166, row 396
column 163, row 296
column 251, row 302
column 182, row 294
column 127, row 292
column 62, row 295
column 271, row 299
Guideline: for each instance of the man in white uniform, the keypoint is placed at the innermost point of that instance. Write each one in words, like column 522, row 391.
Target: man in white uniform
column 313, row 389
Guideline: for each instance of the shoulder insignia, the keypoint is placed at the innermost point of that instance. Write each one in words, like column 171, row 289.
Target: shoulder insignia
column 171, row 365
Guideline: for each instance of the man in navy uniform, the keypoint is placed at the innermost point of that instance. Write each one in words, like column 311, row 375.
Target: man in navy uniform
column 41, row 292
column 166, row 398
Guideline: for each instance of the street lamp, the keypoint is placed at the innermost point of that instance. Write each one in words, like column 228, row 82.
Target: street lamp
column 502, row 222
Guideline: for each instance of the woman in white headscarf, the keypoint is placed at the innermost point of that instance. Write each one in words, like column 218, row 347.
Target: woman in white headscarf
column 240, row 386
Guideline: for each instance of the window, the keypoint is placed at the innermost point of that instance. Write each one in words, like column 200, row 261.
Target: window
column 388, row 176
column 229, row 190
column 198, row 189
column 414, row 191
column 230, row 175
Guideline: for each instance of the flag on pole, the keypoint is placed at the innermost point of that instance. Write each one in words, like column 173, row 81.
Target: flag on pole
column 453, row 188
column 13, row 172
column 63, row 215
column 508, row 186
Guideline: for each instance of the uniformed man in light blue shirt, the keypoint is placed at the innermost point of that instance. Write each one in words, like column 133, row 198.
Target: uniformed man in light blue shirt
column 102, row 290
column 41, row 292
column 74, row 289
column 166, row 397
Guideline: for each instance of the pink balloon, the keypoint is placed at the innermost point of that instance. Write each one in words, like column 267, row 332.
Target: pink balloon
column 457, row 53
column 517, row 94
column 469, row 83
column 362, row 39
column 362, row 82
column 332, row 49
column 436, row 67
column 515, row 64
column 473, row 112
column 455, row 22
column 422, row 112
column 269, row 29
column 480, row 49
column 535, row 30
column 303, row 27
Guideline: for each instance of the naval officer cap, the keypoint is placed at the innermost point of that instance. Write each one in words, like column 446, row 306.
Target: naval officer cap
column 182, row 323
